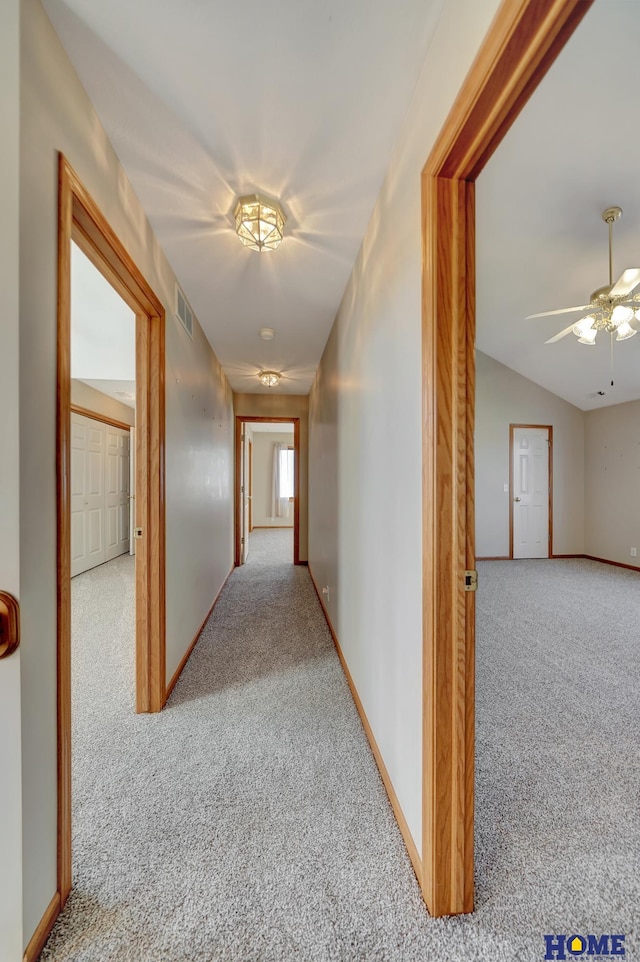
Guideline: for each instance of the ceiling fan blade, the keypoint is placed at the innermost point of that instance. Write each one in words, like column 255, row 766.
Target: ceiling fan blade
column 627, row 281
column 561, row 334
column 564, row 310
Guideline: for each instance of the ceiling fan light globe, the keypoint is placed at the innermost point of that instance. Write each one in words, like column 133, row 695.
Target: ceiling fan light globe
column 588, row 337
column 624, row 331
column 621, row 315
column 584, row 326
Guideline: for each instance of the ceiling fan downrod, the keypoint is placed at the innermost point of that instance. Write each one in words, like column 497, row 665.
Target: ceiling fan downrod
column 610, row 216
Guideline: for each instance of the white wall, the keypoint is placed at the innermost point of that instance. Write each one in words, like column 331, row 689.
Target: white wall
column 612, row 482
column 503, row 398
column 88, row 397
column 262, row 501
column 365, row 523
column 11, row 937
column 57, row 115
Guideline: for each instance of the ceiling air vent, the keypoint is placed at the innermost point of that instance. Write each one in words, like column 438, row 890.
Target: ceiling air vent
column 183, row 311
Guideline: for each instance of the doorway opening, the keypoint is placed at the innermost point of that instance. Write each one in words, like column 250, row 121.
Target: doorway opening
column 82, row 224
column 267, row 483
column 520, row 46
column 530, row 491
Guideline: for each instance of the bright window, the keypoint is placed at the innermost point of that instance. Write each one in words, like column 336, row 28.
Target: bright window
column 286, row 473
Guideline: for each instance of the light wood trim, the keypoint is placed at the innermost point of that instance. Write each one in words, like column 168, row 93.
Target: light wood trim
column 449, row 612
column 250, row 419
column 105, row 419
column 250, row 486
column 41, row 934
column 81, row 220
column 296, row 492
column 237, row 513
column 384, row 774
column 522, row 43
column 604, row 561
column 196, row 639
column 536, row 427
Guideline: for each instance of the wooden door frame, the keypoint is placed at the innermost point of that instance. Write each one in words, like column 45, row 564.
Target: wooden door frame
column 80, row 220
column 250, row 481
column 523, row 41
column 534, row 427
column 250, row 419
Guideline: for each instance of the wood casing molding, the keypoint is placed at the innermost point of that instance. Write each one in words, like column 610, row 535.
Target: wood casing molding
column 80, row 220
column 541, row 427
column 605, row 561
column 41, row 934
column 104, row 418
column 377, row 754
column 251, row 419
column 521, row 44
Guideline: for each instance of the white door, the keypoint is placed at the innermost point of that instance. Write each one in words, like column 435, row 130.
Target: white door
column 11, row 935
column 116, row 492
column 530, row 494
column 132, row 489
column 87, row 494
column 244, row 496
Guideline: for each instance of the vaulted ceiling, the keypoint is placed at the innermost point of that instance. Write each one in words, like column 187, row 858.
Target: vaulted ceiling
column 205, row 101
column 541, row 242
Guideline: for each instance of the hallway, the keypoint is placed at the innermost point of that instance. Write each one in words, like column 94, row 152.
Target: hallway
column 247, row 821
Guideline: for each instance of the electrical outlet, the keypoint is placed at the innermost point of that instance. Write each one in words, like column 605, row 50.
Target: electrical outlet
column 634, row 552
column 506, row 489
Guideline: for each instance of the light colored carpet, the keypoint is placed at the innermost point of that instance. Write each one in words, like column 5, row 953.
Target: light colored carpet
column 247, row 823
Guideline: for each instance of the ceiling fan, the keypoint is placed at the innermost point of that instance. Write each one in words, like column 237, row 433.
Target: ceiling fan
column 613, row 308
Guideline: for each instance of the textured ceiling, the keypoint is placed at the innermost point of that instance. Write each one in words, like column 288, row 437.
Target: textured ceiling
column 300, row 100
column 541, row 243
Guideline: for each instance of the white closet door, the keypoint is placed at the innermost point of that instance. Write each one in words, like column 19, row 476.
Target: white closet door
column 117, row 492
column 87, row 494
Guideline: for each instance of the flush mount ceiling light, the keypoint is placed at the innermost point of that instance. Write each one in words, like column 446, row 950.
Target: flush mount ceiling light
column 259, row 222
column 267, row 333
column 269, row 378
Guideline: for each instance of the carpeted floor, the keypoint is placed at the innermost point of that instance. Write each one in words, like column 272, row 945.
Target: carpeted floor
column 247, row 823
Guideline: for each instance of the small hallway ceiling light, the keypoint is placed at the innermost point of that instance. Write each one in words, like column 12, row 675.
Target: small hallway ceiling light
column 259, row 222
column 267, row 333
column 269, row 378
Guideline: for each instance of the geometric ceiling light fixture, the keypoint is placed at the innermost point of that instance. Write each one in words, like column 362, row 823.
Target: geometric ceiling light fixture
column 614, row 308
column 259, row 222
column 269, row 378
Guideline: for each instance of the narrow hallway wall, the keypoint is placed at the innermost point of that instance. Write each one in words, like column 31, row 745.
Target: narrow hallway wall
column 365, row 522
column 57, row 115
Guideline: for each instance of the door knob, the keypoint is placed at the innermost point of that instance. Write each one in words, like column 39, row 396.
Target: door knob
column 9, row 624
column 517, row 499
